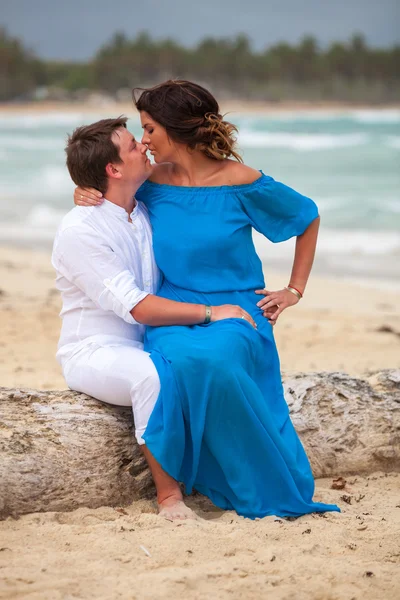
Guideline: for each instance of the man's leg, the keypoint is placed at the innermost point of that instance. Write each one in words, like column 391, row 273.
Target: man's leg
column 123, row 376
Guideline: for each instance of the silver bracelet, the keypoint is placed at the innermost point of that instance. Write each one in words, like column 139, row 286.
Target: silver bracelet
column 295, row 292
column 208, row 315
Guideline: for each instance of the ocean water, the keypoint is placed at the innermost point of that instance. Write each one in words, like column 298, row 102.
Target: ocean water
column 348, row 162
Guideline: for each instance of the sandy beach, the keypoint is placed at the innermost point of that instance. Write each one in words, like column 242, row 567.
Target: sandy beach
column 106, row 106
column 131, row 553
column 79, row 518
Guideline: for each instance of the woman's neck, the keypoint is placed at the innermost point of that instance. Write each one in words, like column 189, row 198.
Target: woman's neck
column 194, row 169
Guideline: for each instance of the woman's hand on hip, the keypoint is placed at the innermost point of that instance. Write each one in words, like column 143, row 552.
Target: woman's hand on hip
column 274, row 303
column 230, row 311
column 87, row 197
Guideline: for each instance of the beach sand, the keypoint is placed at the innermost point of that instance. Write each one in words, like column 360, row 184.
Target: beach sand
column 131, row 553
column 103, row 105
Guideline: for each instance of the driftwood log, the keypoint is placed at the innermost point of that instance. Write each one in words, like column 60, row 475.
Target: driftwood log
column 60, row 450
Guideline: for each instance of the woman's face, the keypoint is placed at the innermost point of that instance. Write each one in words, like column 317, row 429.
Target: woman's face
column 156, row 139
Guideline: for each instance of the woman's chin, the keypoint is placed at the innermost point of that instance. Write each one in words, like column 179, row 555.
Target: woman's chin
column 158, row 159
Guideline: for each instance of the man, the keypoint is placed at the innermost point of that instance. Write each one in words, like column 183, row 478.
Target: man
column 107, row 277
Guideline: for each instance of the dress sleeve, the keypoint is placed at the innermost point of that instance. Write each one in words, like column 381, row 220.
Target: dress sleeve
column 276, row 210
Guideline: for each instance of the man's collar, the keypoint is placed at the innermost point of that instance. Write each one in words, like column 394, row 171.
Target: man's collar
column 118, row 211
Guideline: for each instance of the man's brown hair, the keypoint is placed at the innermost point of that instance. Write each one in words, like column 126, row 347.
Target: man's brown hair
column 89, row 150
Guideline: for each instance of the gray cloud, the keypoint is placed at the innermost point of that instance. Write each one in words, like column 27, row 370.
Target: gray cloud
column 75, row 29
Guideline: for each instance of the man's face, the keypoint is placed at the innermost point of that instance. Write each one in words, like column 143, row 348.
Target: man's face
column 135, row 166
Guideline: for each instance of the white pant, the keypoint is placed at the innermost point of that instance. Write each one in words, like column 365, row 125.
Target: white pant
column 118, row 374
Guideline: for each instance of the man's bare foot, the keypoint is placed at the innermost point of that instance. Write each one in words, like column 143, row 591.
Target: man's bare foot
column 173, row 508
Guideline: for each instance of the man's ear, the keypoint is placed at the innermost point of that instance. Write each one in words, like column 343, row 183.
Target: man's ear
column 113, row 171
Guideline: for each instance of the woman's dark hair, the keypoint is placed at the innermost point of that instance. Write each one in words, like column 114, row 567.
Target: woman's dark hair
column 190, row 114
column 90, row 149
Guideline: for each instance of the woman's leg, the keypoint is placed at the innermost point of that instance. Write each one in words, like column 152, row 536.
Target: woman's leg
column 124, row 376
column 169, row 495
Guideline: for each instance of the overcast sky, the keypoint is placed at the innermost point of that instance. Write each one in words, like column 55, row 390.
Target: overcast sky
column 75, row 29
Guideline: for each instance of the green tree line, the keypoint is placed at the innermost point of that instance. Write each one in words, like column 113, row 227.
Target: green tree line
column 343, row 71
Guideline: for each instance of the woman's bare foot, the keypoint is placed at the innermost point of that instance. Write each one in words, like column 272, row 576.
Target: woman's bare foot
column 169, row 496
column 173, row 508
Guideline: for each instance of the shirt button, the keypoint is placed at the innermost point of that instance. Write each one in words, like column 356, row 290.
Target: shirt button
column 107, row 282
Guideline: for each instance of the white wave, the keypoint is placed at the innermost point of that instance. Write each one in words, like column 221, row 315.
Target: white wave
column 336, row 242
column 51, row 119
column 371, row 116
column 300, row 141
column 22, row 235
column 391, row 205
column 332, row 203
column 39, row 226
column 50, row 181
column 53, row 179
column 31, row 143
column 44, row 216
column 70, row 119
column 354, row 253
column 366, row 243
column 376, row 116
column 393, row 141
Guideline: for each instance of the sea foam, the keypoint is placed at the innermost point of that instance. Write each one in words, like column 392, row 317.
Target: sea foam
column 300, row 141
column 46, row 120
column 19, row 142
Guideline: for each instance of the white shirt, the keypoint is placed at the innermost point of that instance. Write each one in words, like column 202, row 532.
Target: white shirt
column 105, row 266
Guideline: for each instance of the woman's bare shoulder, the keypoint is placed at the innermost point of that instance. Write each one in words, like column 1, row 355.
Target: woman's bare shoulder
column 240, row 174
column 161, row 173
column 230, row 173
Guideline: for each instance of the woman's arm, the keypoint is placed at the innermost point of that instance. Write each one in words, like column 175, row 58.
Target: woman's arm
column 157, row 312
column 304, row 256
column 87, row 197
column 275, row 303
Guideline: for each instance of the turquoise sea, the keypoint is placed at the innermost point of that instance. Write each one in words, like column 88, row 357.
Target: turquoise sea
column 348, row 162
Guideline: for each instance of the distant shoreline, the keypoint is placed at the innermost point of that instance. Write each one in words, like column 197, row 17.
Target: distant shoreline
column 228, row 106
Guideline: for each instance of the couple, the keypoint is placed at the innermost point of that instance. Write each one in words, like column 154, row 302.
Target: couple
column 191, row 346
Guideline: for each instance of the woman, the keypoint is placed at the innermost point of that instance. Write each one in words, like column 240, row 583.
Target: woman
column 221, row 424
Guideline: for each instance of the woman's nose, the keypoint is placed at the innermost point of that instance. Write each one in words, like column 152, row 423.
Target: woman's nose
column 145, row 139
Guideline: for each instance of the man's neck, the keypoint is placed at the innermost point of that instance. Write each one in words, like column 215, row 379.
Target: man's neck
column 124, row 197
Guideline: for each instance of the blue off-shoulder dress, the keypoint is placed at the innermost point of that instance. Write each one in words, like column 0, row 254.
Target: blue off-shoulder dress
column 221, row 424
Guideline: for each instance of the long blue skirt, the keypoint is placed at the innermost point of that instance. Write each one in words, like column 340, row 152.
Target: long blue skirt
column 221, row 424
